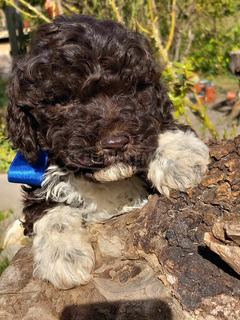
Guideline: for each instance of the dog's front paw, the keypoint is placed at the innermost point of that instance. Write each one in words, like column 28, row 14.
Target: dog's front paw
column 180, row 161
column 65, row 260
column 62, row 253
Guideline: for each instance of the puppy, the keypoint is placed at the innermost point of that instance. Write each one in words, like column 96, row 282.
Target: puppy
column 90, row 93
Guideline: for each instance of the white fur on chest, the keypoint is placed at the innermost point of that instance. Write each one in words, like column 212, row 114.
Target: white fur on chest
column 96, row 201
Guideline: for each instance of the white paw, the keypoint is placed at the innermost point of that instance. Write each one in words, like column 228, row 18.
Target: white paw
column 66, row 263
column 179, row 162
column 62, row 253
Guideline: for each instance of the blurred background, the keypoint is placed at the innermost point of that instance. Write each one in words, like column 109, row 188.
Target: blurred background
column 196, row 41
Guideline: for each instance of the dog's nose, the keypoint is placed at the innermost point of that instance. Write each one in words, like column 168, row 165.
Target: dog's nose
column 114, row 144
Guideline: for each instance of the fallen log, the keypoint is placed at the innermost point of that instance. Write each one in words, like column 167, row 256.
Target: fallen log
column 151, row 263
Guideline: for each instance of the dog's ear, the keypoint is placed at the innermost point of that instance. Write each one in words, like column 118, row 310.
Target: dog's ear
column 20, row 124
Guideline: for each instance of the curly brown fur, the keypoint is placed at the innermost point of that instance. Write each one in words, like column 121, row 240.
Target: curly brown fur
column 35, row 206
column 81, row 73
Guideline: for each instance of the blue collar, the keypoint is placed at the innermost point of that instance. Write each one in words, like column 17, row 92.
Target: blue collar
column 21, row 171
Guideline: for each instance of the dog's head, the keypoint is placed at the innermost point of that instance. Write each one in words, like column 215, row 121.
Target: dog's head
column 89, row 92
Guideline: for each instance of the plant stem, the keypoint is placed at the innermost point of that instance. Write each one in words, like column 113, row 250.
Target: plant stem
column 116, row 10
column 30, row 7
column 202, row 116
column 173, row 22
column 11, row 3
column 156, row 33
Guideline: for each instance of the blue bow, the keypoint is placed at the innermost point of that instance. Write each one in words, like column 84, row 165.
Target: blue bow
column 21, row 171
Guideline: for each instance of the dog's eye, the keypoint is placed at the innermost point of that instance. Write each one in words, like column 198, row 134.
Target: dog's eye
column 142, row 85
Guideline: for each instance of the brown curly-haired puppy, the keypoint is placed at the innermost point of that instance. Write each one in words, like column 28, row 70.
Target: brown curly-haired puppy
column 89, row 92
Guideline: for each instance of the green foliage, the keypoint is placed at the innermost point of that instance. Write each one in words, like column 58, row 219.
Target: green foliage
column 218, row 8
column 207, row 58
column 6, row 153
column 216, row 33
column 212, row 57
column 3, row 265
column 5, row 215
column 214, row 24
column 3, row 98
column 180, row 82
column 180, row 79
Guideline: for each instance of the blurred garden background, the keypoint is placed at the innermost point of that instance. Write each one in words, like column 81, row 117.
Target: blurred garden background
column 193, row 41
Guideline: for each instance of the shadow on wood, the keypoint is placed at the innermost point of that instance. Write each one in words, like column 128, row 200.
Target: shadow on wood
column 124, row 310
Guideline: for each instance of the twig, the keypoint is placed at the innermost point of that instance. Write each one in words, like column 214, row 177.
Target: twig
column 11, row 3
column 30, row 7
column 173, row 23
column 141, row 27
column 70, row 8
column 116, row 10
column 156, row 33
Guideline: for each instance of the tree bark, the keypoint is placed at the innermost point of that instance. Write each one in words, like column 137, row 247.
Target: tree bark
column 15, row 25
column 151, row 263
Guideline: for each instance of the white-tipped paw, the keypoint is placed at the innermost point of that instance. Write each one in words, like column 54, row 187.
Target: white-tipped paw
column 62, row 253
column 180, row 161
column 66, row 262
